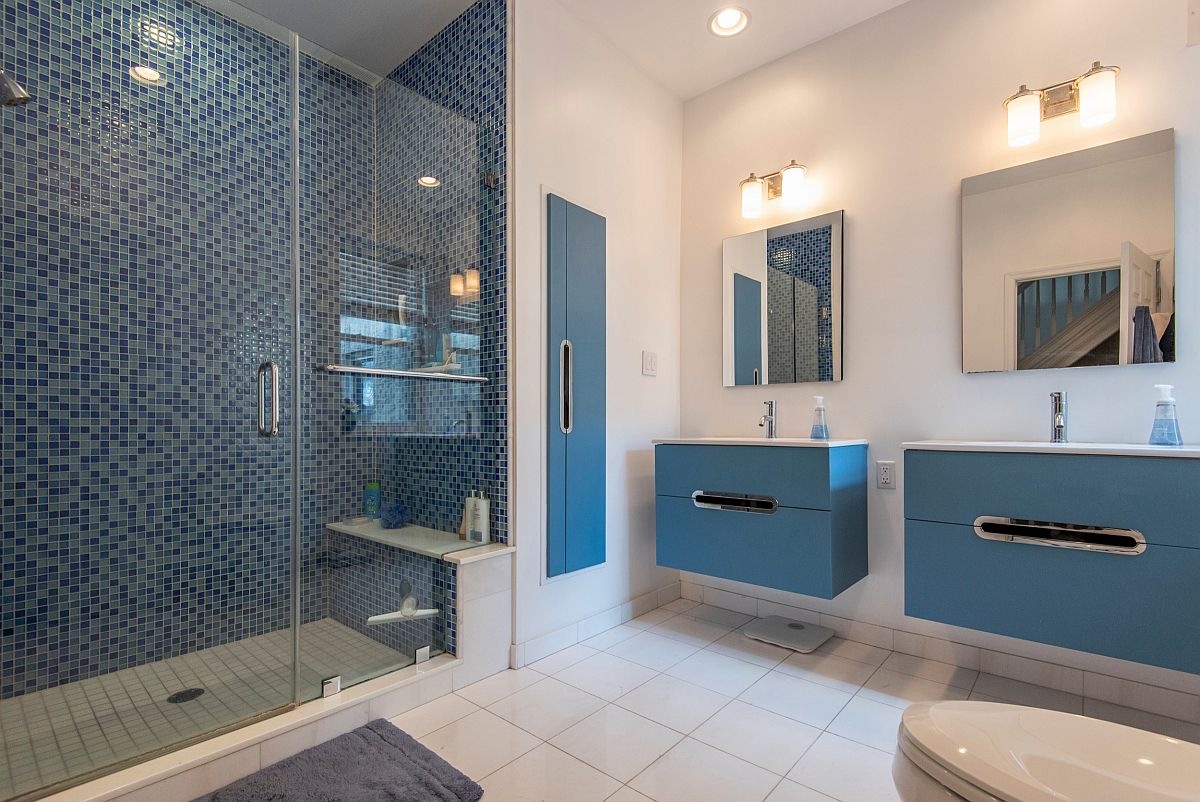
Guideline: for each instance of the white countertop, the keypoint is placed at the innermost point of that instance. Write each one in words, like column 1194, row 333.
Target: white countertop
column 418, row 539
column 1110, row 449
column 793, row 442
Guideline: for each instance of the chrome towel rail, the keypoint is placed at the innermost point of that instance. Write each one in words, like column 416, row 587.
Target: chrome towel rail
column 406, row 374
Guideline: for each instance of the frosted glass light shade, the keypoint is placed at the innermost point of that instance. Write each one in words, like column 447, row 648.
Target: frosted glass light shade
column 752, row 197
column 457, row 285
column 1098, row 96
column 792, row 179
column 472, row 281
column 1024, row 118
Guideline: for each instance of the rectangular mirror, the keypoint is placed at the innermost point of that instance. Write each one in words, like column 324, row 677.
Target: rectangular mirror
column 1070, row 261
column 782, row 320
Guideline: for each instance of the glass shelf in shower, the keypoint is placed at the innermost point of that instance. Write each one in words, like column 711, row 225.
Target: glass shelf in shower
column 417, row 539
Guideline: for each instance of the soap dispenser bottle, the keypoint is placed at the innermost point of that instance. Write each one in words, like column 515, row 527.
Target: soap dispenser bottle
column 1165, row 431
column 820, row 428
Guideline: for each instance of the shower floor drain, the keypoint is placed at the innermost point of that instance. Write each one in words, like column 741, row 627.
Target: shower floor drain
column 185, row 696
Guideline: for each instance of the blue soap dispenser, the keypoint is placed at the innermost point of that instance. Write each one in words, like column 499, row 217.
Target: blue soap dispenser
column 1165, row 431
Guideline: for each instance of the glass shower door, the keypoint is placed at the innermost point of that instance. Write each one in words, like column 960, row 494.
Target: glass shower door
column 148, row 311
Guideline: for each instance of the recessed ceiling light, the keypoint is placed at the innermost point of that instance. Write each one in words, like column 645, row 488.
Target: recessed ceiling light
column 729, row 21
column 146, row 75
column 429, row 181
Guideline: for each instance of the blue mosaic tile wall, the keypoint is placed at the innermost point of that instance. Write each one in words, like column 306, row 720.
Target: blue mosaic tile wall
column 805, row 256
column 145, row 236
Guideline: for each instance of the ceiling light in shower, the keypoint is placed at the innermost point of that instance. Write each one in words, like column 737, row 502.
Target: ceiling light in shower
column 472, row 281
column 147, row 75
column 457, row 285
column 728, row 21
column 429, row 181
column 158, row 34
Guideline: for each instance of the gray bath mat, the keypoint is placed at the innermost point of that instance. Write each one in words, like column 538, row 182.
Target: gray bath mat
column 375, row 763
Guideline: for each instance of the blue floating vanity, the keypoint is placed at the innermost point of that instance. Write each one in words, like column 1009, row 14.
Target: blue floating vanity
column 1089, row 547
column 785, row 514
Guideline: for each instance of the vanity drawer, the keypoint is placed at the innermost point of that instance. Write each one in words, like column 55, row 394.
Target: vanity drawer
column 1158, row 496
column 1141, row 608
column 795, row 477
column 791, row 549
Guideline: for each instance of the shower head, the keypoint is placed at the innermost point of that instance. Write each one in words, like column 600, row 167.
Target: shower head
column 12, row 93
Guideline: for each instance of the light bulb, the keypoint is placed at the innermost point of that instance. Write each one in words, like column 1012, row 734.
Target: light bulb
column 429, row 181
column 457, row 288
column 792, row 180
column 1024, row 117
column 729, row 21
column 752, row 197
column 1098, row 96
column 472, row 281
column 146, row 75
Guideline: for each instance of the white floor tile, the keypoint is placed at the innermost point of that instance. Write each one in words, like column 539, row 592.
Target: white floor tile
column 901, row 690
column 652, row 618
column 766, row 739
column 627, row 794
column 931, row 670
column 696, row 772
column 868, row 722
column 497, row 686
column 617, row 742
column 692, row 631
column 547, row 774
column 717, row 672
column 1015, row 692
column 611, row 637
column 606, row 675
column 788, row 791
column 547, row 708
column 828, row 669
column 674, row 703
column 420, row 721
column 561, row 659
column 680, row 605
column 479, row 744
column 736, row 644
column 846, row 771
column 853, row 650
column 719, row 616
column 796, row 698
column 653, row 651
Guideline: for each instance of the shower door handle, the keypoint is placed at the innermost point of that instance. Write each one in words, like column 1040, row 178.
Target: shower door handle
column 268, row 416
column 566, row 396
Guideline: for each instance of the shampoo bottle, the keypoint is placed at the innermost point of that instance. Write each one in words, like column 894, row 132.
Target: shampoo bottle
column 820, row 428
column 371, row 500
column 1165, row 431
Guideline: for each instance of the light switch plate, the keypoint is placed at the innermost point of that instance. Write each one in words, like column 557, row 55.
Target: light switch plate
column 649, row 363
column 885, row 475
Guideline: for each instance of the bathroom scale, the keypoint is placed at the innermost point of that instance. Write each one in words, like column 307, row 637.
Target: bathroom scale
column 788, row 633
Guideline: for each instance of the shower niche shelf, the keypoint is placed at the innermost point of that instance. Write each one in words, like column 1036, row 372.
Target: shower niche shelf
column 417, row 539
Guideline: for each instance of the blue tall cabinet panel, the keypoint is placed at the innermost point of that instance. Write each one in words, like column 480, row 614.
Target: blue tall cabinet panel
column 1139, row 603
column 786, row 517
column 747, row 330
column 575, row 441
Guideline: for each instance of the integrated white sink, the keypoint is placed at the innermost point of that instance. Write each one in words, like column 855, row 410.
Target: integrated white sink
column 794, row 442
column 1033, row 447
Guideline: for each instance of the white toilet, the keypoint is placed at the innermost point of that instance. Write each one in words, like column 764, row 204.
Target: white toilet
column 985, row 752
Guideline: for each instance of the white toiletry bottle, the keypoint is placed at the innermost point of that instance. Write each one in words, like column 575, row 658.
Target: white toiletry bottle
column 465, row 527
column 1165, row 431
column 481, row 531
column 820, row 428
column 474, row 508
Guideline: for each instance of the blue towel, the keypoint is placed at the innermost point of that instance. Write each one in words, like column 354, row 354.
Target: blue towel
column 1145, row 341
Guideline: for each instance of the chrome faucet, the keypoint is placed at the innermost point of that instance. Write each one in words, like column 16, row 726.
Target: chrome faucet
column 1058, row 417
column 768, row 421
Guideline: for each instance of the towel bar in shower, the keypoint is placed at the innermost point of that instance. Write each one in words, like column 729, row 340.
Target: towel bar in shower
column 734, row 502
column 1128, row 542
column 406, row 374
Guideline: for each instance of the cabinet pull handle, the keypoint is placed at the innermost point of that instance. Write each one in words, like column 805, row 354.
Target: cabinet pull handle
column 268, row 417
column 566, row 401
column 1105, row 540
column 734, row 502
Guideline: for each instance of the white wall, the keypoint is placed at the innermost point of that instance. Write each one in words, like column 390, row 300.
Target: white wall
column 890, row 116
column 592, row 128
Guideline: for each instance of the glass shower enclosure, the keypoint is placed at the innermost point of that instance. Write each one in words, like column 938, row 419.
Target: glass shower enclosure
column 225, row 311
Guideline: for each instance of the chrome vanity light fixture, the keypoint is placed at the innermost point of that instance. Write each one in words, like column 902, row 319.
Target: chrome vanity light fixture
column 1093, row 95
column 786, row 184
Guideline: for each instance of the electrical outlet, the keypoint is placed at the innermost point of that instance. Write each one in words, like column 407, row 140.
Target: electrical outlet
column 885, row 474
column 649, row 363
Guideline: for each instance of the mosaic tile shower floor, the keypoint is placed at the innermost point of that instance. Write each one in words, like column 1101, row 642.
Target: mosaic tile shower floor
column 74, row 729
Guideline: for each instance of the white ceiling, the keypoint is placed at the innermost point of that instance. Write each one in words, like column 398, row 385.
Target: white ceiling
column 670, row 40
column 375, row 34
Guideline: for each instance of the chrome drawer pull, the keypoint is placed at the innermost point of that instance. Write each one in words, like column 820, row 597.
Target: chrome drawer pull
column 734, row 502
column 1106, row 540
